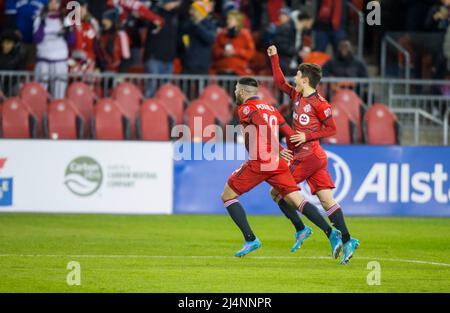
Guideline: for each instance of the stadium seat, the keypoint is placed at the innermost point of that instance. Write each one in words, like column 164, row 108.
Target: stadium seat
column 381, row 126
column 199, row 111
column 83, row 98
column 109, row 121
column 353, row 105
column 129, row 98
column 18, row 121
column 173, row 99
column 63, row 120
column 345, row 128
column 153, row 121
column 35, row 95
column 267, row 95
column 218, row 101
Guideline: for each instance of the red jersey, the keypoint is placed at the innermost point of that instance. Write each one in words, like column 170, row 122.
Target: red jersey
column 85, row 39
column 312, row 115
column 269, row 122
column 308, row 116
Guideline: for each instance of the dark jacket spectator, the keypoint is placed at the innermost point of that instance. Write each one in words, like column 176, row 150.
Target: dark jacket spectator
column 234, row 47
column 345, row 63
column 283, row 37
column 197, row 36
column 114, row 44
column 12, row 58
column 161, row 42
column 12, row 54
column 160, row 48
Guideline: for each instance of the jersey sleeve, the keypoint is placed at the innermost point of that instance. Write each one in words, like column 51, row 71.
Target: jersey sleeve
column 324, row 111
column 246, row 113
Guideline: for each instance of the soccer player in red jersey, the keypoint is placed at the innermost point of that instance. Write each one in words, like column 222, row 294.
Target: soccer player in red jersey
column 312, row 120
column 261, row 122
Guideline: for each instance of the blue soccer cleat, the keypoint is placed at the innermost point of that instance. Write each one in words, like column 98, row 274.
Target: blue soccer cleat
column 248, row 247
column 300, row 238
column 336, row 243
column 349, row 248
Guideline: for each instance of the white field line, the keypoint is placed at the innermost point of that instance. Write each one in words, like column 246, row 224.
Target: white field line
column 131, row 256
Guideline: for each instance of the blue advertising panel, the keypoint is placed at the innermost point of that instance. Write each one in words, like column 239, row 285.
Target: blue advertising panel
column 370, row 180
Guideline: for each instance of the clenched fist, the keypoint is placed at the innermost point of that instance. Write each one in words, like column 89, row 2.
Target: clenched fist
column 272, row 50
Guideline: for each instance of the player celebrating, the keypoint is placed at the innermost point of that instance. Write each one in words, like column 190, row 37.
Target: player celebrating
column 261, row 122
column 312, row 119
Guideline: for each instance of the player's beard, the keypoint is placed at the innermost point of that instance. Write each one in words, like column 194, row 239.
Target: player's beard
column 239, row 100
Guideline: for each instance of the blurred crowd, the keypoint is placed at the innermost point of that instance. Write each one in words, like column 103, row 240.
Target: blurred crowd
column 194, row 36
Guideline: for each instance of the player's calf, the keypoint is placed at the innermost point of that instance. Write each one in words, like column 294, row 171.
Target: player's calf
column 237, row 213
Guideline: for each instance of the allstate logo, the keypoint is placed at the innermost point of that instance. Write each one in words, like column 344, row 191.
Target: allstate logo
column 83, row 176
column 342, row 176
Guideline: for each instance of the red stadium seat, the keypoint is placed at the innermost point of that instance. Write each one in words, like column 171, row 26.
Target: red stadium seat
column 129, row 98
column 353, row 105
column 83, row 98
column 17, row 120
column 218, row 101
column 266, row 95
column 345, row 128
column 199, row 112
column 109, row 121
column 381, row 126
column 63, row 120
column 153, row 122
column 173, row 99
column 35, row 95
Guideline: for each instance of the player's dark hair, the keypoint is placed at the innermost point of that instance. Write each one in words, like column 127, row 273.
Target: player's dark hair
column 304, row 16
column 248, row 81
column 312, row 71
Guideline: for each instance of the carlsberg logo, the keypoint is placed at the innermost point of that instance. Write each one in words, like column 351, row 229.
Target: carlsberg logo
column 83, row 176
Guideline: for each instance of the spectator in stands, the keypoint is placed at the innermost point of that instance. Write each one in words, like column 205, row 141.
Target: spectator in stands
column 438, row 17
column 53, row 38
column 329, row 24
column 10, row 12
column 12, row 58
column 161, row 42
column 233, row 48
column 303, row 25
column 23, row 13
column 86, row 42
column 345, row 63
column 12, row 54
column 283, row 36
column 114, row 44
column 139, row 8
column 198, row 34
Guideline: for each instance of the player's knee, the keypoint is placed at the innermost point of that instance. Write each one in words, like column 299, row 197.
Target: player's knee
column 274, row 194
column 327, row 203
column 227, row 194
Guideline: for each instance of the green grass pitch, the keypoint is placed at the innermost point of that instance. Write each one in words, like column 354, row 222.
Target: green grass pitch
column 195, row 254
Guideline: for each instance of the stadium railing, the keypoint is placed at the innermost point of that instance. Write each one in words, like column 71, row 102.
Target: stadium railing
column 446, row 122
column 413, row 94
column 361, row 24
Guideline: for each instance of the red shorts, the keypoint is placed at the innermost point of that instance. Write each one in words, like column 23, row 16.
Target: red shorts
column 314, row 170
column 247, row 177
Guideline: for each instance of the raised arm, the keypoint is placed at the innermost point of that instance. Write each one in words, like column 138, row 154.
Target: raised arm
column 278, row 75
